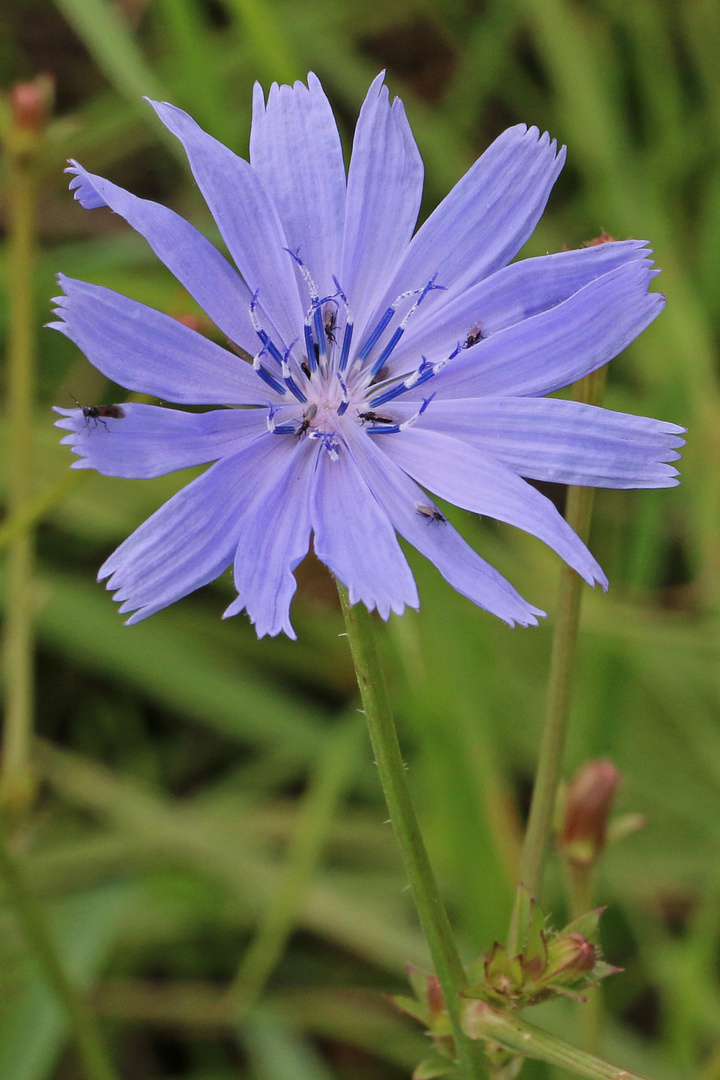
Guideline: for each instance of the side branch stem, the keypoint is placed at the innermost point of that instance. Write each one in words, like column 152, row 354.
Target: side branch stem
column 391, row 769
column 578, row 513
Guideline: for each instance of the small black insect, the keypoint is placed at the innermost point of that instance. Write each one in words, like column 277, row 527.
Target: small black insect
column 474, row 335
column 430, row 512
column 305, row 368
column 99, row 413
column 308, row 417
column 375, row 418
column 330, row 326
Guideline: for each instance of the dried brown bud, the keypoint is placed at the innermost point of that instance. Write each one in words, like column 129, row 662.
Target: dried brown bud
column 588, row 801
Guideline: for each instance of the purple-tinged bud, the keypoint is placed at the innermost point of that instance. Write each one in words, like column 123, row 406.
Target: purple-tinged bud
column 588, row 800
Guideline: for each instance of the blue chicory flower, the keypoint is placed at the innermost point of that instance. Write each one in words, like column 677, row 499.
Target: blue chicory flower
column 384, row 364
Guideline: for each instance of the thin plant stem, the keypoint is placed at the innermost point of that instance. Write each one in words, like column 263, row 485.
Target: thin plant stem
column 314, row 818
column 517, row 1036
column 392, row 772
column 578, row 513
column 94, row 1056
column 23, row 145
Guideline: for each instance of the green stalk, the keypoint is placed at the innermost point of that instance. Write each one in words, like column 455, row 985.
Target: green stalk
column 578, row 513
column 23, row 145
column 519, row 1037
column 96, row 1063
column 391, row 769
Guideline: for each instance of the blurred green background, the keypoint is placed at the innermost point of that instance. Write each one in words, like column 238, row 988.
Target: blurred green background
column 184, row 765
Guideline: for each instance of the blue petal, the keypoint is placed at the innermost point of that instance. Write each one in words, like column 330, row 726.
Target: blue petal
column 486, row 218
column 468, row 478
column 559, row 346
column 383, row 199
column 188, row 542
column 148, row 351
column 246, row 218
column 194, row 261
column 515, row 293
column 564, row 441
column 354, row 537
column 274, row 537
column 461, row 567
column 295, row 150
column 150, row 441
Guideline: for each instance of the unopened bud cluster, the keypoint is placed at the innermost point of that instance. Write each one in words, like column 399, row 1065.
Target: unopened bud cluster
column 551, row 962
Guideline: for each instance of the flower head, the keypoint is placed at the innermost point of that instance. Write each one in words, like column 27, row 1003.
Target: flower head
column 378, row 365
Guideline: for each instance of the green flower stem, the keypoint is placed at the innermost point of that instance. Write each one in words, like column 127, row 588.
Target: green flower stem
column 23, row 146
column 482, row 1022
column 578, row 512
column 391, row 769
column 95, row 1060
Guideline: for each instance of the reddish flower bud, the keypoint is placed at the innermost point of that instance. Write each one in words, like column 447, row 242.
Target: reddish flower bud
column 31, row 104
column 588, row 801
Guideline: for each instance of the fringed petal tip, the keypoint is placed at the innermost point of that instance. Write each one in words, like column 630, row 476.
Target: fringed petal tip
column 531, row 619
column 263, row 627
column 82, row 187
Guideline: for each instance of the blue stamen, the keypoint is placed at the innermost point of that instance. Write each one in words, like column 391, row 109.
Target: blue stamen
column 277, row 429
column 294, row 388
column 387, row 351
column 342, row 407
column 329, row 442
column 268, row 378
column 319, row 329
column 423, row 373
column 372, row 340
column 312, row 287
column 287, row 376
column 257, row 326
column 310, row 343
column 349, row 325
column 393, row 429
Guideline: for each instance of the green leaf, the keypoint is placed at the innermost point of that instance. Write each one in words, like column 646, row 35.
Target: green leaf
column 33, row 1027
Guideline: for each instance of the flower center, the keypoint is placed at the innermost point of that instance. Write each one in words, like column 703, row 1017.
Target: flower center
column 330, row 384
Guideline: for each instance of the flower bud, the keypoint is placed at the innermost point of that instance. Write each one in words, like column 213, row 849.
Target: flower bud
column 31, row 103
column 569, row 957
column 587, row 804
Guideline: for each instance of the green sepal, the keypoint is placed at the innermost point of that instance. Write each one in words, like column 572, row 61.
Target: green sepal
column 535, row 953
column 586, row 924
column 418, row 979
column 432, row 1068
column 503, row 975
column 417, row 1009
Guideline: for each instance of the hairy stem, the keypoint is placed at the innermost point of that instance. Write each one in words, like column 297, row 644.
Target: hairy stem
column 391, row 769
